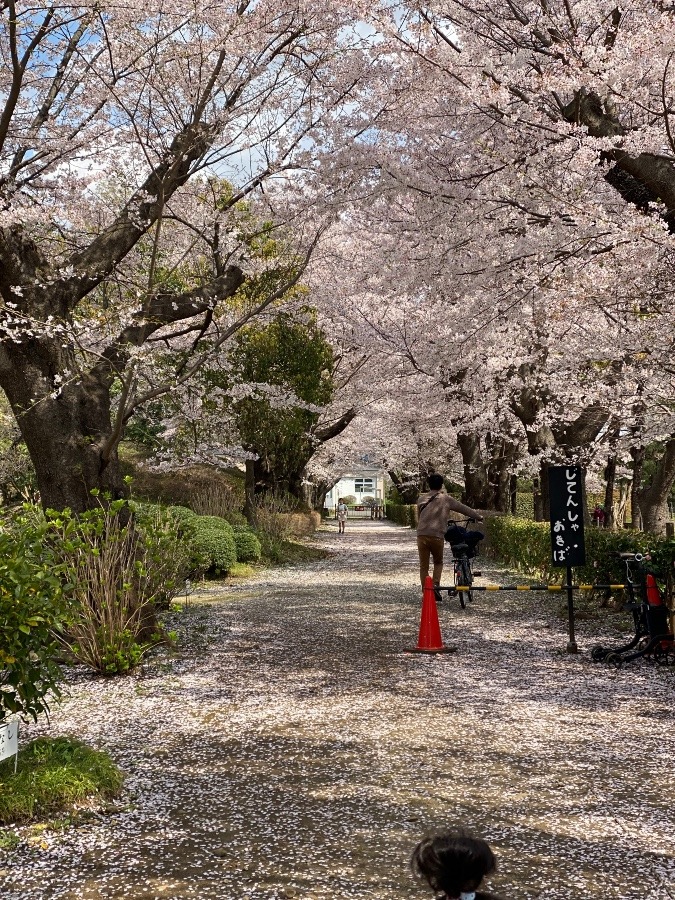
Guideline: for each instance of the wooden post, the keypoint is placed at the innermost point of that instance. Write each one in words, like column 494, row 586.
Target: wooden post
column 572, row 642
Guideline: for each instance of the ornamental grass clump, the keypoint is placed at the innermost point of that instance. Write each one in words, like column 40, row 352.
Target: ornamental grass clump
column 273, row 522
column 119, row 569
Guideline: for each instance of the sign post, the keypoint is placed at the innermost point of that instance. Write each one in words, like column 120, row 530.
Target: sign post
column 9, row 741
column 567, row 530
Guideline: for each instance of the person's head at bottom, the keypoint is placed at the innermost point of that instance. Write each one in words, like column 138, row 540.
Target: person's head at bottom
column 454, row 864
column 435, row 482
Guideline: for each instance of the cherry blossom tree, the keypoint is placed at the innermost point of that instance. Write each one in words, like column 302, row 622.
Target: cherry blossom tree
column 527, row 238
column 116, row 118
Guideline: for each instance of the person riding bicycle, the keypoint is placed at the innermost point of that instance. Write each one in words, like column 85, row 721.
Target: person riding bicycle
column 433, row 512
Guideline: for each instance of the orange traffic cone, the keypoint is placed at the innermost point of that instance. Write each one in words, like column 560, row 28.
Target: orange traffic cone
column 653, row 593
column 430, row 640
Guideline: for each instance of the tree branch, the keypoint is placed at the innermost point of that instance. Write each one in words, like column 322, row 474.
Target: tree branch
column 164, row 309
column 90, row 266
column 327, row 432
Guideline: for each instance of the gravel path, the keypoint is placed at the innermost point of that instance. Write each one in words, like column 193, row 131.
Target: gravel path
column 299, row 753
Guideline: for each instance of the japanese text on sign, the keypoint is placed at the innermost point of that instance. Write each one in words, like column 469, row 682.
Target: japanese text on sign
column 567, row 516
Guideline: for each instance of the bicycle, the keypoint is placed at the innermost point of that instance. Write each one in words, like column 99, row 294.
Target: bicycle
column 653, row 638
column 462, row 553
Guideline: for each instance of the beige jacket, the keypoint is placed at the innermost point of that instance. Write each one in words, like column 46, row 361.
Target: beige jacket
column 433, row 519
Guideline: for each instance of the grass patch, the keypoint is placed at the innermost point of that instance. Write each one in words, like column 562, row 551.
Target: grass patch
column 282, row 553
column 52, row 775
column 9, row 840
column 241, row 570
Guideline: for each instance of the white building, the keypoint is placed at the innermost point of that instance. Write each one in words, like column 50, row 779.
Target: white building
column 364, row 482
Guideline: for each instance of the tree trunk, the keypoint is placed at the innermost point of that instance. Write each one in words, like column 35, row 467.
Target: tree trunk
column 250, row 510
column 513, row 494
column 619, row 508
column 537, row 503
column 653, row 500
column 502, row 455
column 278, row 470
column 584, row 499
column 68, row 431
column 315, row 493
column 638, row 456
column 486, row 475
column 544, row 501
column 409, row 489
column 477, row 493
column 610, row 479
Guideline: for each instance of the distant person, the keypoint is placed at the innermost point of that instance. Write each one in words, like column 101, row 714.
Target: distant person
column 341, row 515
column 433, row 512
column 454, row 864
column 598, row 516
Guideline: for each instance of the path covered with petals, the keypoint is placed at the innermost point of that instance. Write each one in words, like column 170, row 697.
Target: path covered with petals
column 292, row 750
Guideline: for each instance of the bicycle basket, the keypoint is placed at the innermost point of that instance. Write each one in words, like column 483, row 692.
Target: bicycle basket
column 456, row 535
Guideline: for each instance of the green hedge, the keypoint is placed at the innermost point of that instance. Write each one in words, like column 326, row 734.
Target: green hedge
column 525, row 506
column 236, row 519
column 401, row 514
column 248, row 546
column 526, row 545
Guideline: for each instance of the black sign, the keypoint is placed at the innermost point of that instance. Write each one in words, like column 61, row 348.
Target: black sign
column 565, row 491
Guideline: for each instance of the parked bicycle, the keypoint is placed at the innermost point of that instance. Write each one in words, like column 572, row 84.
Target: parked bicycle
column 464, row 546
column 653, row 637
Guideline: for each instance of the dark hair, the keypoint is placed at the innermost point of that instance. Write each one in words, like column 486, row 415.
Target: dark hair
column 435, row 481
column 453, row 862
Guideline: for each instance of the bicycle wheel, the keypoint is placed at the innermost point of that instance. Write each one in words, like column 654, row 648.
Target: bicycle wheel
column 464, row 576
column 458, row 581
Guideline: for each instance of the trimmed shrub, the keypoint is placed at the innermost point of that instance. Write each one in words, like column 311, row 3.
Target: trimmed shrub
column 170, row 557
column 182, row 514
column 525, row 545
column 216, row 522
column 248, row 546
column 236, row 519
column 200, row 560
column 213, row 539
column 521, row 544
